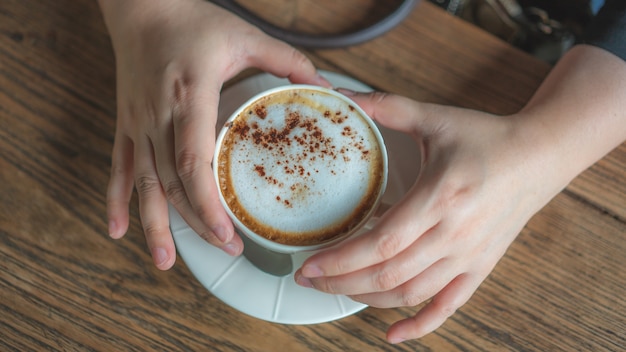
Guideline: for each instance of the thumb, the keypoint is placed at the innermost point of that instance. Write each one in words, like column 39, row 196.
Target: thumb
column 283, row 60
column 398, row 112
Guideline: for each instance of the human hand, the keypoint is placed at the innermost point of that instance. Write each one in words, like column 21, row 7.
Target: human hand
column 482, row 177
column 172, row 58
column 476, row 190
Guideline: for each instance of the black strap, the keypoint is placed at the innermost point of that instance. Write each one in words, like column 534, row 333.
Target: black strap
column 321, row 41
column 608, row 29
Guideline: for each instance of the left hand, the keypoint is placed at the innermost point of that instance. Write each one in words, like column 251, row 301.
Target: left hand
column 478, row 186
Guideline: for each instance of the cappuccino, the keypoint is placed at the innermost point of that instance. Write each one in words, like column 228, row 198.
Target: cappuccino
column 301, row 166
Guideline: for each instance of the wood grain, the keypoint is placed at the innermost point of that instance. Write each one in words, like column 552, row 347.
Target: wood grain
column 64, row 285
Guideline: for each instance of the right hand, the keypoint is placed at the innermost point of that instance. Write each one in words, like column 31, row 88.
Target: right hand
column 172, row 58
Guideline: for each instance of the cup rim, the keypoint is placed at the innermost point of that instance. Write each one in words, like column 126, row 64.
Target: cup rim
column 286, row 248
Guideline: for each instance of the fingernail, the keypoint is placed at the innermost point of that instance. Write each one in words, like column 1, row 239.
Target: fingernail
column 112, row 229
column 303, row 281
column 231, row 249
column 312, row 271
column 221, row 233
column 396, row 340
column 323, row 81
column 346, row 92
column 160, row 256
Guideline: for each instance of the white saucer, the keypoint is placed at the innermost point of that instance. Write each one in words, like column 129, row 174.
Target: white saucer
column 243, row 286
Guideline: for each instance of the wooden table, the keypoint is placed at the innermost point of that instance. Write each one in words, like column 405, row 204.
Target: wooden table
column 65, row 285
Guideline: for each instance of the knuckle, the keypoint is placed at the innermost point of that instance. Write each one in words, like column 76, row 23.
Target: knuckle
column 147, row 184
column 387, row 245
column 341, row 265
column 182, row 88
column 411, row 298
column 386, row 279
column 454, row 193
column 186, row 96
column 175, row 192
column 152, row 230
column 187, row 163
column 446, row 307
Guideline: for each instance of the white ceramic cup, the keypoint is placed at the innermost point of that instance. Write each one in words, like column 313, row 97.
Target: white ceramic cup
column 300, row 131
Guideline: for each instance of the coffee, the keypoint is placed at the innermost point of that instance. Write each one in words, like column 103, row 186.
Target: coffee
column 301, row 166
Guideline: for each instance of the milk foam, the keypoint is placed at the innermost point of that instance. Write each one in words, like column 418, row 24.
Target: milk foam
column 300, row 167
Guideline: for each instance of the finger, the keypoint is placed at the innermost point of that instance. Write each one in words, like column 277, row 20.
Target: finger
column 390, row 278
column 153, row 207
column 120, row 186
column 194, row 143
column 400, row 113
column 415, row 291
column 175, row 191
column 435, row 313
column 283, row 60
column 395, row 231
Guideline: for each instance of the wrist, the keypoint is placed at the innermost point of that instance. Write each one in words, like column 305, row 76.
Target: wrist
column 122, row 15
column 578, row 114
